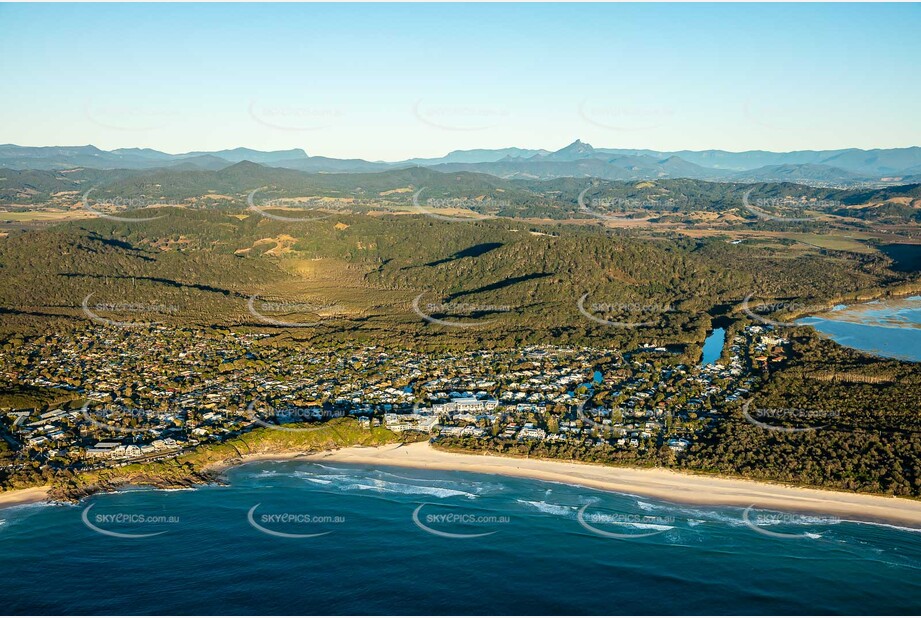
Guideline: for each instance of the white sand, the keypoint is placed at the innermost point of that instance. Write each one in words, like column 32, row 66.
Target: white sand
column 23, row 496
column 656, row 483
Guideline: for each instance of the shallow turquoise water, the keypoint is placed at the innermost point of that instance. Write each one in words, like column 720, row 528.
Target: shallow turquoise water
column 544, row 557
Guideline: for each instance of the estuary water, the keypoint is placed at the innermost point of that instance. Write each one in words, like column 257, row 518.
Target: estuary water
column 309, row 538
column 890, row 328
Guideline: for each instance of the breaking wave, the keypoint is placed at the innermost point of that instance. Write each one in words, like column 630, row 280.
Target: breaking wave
column 550, row 509
column 407, row 489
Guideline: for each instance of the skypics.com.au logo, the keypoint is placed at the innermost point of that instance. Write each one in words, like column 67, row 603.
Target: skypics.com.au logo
column 771, row 418
column 278, row 204
column 456, row 524
column 758, row 311
column 780, row 205
column 635, row 311
column 93, row 312
column 127, row 525
column 118, row 418
column 621, row 525
column 618, row 208
column 277, row 418
column 761, row 522
column 272, row 312
column 101, row 208
column 475, row 206
column 459, row 116
column 288, row 525
column 471, row 309
column 586, row 415
column 622, row 115
column 295, row 116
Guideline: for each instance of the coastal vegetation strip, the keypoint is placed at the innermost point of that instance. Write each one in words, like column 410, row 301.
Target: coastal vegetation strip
column 202, row 465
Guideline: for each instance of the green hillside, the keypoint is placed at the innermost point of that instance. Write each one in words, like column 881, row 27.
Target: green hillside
column 202, row 267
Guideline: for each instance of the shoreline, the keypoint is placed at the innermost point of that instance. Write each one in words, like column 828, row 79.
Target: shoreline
column 219, row 467
column 679, row 488
column 19, row 497
column 913, row 289
column 667, row 485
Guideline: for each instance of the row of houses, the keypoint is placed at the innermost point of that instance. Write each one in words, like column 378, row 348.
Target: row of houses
column 117, row 450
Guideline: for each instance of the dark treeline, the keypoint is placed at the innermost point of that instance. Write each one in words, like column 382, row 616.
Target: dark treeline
column 866, row 411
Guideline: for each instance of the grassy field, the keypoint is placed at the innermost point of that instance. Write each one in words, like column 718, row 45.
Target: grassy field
column 855, row 241
column 45, row 216
column 335, row 284
column 837, row 242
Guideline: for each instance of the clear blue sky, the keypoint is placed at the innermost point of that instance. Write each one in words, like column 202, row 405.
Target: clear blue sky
column 394, row 81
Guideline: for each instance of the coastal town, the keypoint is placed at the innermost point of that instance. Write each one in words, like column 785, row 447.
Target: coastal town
column 131, row 395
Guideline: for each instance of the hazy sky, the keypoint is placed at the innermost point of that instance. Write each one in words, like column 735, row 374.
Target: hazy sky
column 395, row 81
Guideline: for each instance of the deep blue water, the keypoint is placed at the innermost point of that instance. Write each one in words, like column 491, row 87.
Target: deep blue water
column 890, row 328
column 376, row 559
column 713, row 346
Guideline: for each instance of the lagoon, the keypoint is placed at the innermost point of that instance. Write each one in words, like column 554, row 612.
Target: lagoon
column 889, row 328
column 713, row 346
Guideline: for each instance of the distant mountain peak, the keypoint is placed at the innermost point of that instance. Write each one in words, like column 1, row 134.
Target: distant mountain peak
column 577, row 147
column 574, row 151
column 577, row 159
column 235, row 155
column 244, row 165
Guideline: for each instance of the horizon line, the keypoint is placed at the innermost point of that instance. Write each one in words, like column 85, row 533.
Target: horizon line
column 456, row 150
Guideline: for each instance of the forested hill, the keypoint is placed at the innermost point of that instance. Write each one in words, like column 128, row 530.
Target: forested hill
column 526, row 278
column 231, row 187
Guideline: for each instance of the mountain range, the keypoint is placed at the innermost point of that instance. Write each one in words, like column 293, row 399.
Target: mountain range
column 824, row 167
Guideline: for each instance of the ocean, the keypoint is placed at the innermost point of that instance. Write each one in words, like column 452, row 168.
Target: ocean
column 309, row 538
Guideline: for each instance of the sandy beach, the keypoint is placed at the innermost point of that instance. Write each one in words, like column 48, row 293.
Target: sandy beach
column 662, row 484
column 23, row 496
column 655, row 483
